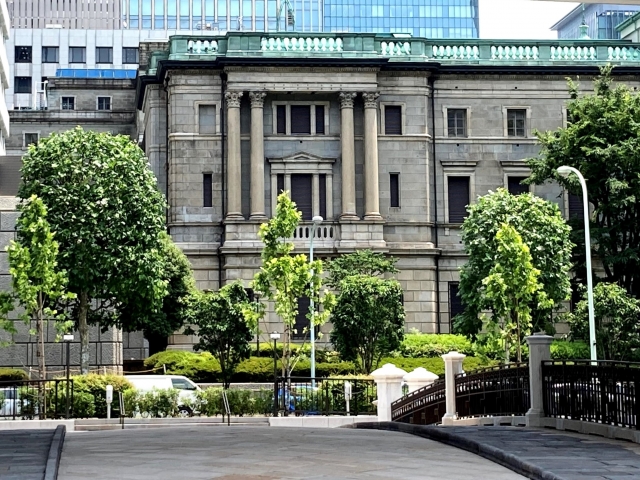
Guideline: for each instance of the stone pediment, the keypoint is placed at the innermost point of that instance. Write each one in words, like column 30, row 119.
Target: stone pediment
column 302, row 158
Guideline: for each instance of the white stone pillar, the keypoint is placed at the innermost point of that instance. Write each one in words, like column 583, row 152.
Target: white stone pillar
column 329, row 183
column 452, row 364
column 234, row 160
column 315, row 195
column 539, row 351
column 389, row 385
column 257, row 156
column 371, row 189
column 347, row 141
column 420, row 377
column 287, row 183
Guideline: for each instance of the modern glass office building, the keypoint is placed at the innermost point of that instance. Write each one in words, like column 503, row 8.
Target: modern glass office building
column 602, row 20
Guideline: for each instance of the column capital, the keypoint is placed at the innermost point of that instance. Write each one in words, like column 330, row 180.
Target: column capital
column 233, row 99
column 370, row 99
column 346, row 99
column 257, row 99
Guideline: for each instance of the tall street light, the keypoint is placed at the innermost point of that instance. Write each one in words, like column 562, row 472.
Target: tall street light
column 587, row 242
column 275, row 336
column 68, row 338
column 317, row 220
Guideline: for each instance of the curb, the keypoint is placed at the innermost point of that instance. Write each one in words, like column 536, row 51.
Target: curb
column 440, row 434
column 55, row 452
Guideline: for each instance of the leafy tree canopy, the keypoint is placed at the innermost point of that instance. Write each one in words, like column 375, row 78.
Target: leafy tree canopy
column 106, row 210
column 602, row 141
column 368, row 319
column 361, row 262
column 543, row 231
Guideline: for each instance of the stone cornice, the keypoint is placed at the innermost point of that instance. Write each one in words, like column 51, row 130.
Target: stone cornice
column 459, row 163
column 296, row 69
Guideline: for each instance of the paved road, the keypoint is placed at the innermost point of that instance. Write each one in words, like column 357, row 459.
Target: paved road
column 259, row 453
column 23, row 453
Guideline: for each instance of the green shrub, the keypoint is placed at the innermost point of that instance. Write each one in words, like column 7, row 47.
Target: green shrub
column 83, row 404
column 436, row 365
column 419, row 345
column 210, row 402
column 241, row 402
column 157, row 403
column 266, row 350
column 96, row 385
column 565, row 350
column 11, row 374
column 199, row 367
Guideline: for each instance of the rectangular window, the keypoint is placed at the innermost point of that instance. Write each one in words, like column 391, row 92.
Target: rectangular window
column 104, row 55
column 207, row 191
column 50, row 54
column 394, row 189
column 77, row 55
column 22, row 85
column 516, row 187
column 129, row 55
column 282, row 119
column 392, row 120
column 68, row 103
column 23, row 54
column 455, row 301
column 458, row 198
column 300, row 120
column 30, row 138
column 301, row 188
column 516, row 122
column 207, row 119
column 280, row 183
column 457, row 122
column 104, row 103
column 319, row 119
column 575, row 206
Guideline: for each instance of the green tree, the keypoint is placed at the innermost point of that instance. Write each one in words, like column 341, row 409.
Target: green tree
column 543, row 231
column 602, row 141
column 368, row 320
column 223, row 330
column 361, row 262
column 616, row 314
column 104, row 205
column 512, row 287
column 284, row 278
column 158, row 325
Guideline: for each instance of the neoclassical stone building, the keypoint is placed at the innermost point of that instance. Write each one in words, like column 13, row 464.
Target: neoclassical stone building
column 386, row 138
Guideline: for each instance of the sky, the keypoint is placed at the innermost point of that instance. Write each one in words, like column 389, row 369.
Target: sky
column 521, row 19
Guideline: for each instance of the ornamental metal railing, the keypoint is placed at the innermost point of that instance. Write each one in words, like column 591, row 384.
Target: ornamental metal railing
column 600, row 392
column 424, row 406
column 496, row 391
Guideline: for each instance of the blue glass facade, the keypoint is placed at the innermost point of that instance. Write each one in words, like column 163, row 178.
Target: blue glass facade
column 602, row 20
column 424, row 18
column 421, row 18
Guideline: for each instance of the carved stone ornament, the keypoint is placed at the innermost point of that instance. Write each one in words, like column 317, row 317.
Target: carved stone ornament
column 346, row 99
column 370, row 99
column 233, row 99
column 257, row 99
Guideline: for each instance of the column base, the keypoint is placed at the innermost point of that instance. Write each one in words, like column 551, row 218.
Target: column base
column 258, row 216
column 234, row 216
column 448, row 419
column 533, row 418
column 349, row 217
column 372, row 216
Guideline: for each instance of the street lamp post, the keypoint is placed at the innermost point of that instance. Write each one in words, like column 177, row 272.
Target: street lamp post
column 317, row 220
column 275, row 336
column 68, row 338
column 587, row 241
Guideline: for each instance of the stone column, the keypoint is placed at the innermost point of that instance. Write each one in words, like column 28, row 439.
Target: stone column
column 452, row 364
column 234, row 161
column 347, row 140
column 389, row 386
column 257, row 156
column 420, row 377
column 371, row 189
column 539, row 351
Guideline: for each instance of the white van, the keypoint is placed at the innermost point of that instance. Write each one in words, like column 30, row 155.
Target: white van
column 186, row 388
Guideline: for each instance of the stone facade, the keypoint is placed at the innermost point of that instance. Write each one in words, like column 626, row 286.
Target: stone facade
column 498, row 95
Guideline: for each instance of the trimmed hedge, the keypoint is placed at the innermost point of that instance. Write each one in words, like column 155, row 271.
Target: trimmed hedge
column 96, row 385
column 11, row 374
column 565, row 350
column 199, row 367
column 421, row 345
column 436, row 365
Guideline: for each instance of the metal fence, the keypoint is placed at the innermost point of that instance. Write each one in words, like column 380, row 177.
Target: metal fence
column 325, row 396
column 601, row 392
column 496, row 391
column 29, row 399
column 424, row 406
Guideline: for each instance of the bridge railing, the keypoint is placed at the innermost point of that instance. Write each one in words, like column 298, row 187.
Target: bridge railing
column 424, row 406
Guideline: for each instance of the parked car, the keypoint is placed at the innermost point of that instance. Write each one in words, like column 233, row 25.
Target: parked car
column 186, row 388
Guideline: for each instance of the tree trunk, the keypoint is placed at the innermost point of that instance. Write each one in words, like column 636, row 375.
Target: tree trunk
column 83, row 329
column 42, row 369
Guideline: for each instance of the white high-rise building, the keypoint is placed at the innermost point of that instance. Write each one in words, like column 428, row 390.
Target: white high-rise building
column 4, row 74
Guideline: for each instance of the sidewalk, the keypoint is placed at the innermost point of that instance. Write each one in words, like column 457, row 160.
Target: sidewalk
column 24, row 453
column 536, row 453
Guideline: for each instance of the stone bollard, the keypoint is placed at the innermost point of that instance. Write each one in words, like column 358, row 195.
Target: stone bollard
column 539, row 351
column 420, row 377
column 452, row 366
column 388, row 380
